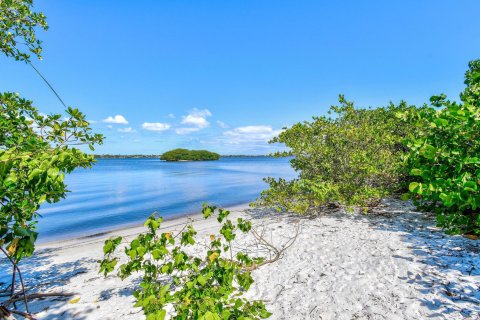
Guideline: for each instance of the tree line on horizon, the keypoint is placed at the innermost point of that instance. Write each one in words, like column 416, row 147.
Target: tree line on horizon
column 156, row 156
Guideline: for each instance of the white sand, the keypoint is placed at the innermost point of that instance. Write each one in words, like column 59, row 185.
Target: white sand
column 392, row 264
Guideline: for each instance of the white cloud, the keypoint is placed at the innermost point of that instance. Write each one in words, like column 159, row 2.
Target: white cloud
column 171, row 115
column 222, row 124
column 109, row 126
column 118, row 119
column 127, row 130
column 186, row 130
column 248, row 134
column 197, row 118
column 155, row 126
column 253, row 130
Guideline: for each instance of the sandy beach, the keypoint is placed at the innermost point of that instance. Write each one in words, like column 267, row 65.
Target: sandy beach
column 390, row 264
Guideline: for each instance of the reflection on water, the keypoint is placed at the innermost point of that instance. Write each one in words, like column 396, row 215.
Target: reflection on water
column 122, row 192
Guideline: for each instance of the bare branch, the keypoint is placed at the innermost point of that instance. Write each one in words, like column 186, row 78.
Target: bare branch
column 278, row 252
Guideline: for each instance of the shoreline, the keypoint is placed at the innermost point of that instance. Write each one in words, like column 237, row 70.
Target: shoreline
column 132, row 230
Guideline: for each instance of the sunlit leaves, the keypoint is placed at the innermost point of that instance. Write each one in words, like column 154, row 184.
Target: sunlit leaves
column 443, row 158
column 352, row 157
column 18, row 24
column 199, row 286
column 36, row 151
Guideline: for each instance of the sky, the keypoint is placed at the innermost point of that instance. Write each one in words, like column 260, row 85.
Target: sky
column 227, row 76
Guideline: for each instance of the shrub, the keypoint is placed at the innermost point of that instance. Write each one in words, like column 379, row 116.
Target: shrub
column 352, row 157
column 189, row 155
column 206, row 286
column 444, row 157
column 36, row 151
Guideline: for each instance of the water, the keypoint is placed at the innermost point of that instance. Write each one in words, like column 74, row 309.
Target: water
column 118, row 193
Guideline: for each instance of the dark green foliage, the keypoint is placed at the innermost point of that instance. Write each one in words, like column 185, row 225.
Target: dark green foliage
column 189, row 155
column 445, row 157
column 35, row 154
column 352, row 157
column 206, row 285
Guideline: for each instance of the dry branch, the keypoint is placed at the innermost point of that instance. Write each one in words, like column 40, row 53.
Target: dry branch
column 277, row 253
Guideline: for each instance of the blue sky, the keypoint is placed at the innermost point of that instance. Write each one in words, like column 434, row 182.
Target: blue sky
column 227, row 75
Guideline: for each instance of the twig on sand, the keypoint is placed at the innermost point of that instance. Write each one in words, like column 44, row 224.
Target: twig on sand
column 276, row 251
column 6, row 314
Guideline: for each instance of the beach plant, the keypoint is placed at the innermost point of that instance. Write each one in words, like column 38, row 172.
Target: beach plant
column 36, row 150
column 352, row 157
column 186, row 278
column 444, row 157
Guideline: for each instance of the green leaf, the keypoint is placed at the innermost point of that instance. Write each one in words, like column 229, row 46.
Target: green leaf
column 156, row 254
column 141, row 251
column 416, row 172
column 405, row 197
column 414, row 187
column 107, row 247
column 132, row 254
column 470, row 186
column 201, row 280
column 210, row 316
column 428, row 151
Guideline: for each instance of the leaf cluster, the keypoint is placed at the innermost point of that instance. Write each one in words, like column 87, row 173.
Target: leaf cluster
column 36, row 151
column 444, row 157
column 18, row 24
column 207, row 285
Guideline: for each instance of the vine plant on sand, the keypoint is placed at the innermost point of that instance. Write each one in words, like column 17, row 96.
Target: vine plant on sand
column 207, row 285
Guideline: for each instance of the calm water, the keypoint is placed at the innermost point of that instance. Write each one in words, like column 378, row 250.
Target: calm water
column 117, row 193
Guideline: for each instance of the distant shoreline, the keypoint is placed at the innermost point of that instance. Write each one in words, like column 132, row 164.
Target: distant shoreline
column 155, row 156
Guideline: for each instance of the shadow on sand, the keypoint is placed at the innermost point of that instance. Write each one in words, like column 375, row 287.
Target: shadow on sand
column 449, row 280
column 39, row 279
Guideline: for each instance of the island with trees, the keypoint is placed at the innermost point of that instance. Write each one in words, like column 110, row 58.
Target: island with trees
column 189, row 155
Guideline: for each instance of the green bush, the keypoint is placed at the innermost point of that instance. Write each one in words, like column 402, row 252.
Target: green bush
column 205, row 285
column 36, row 151
column 352, row 157
column 189, row 155
column 445, row 157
